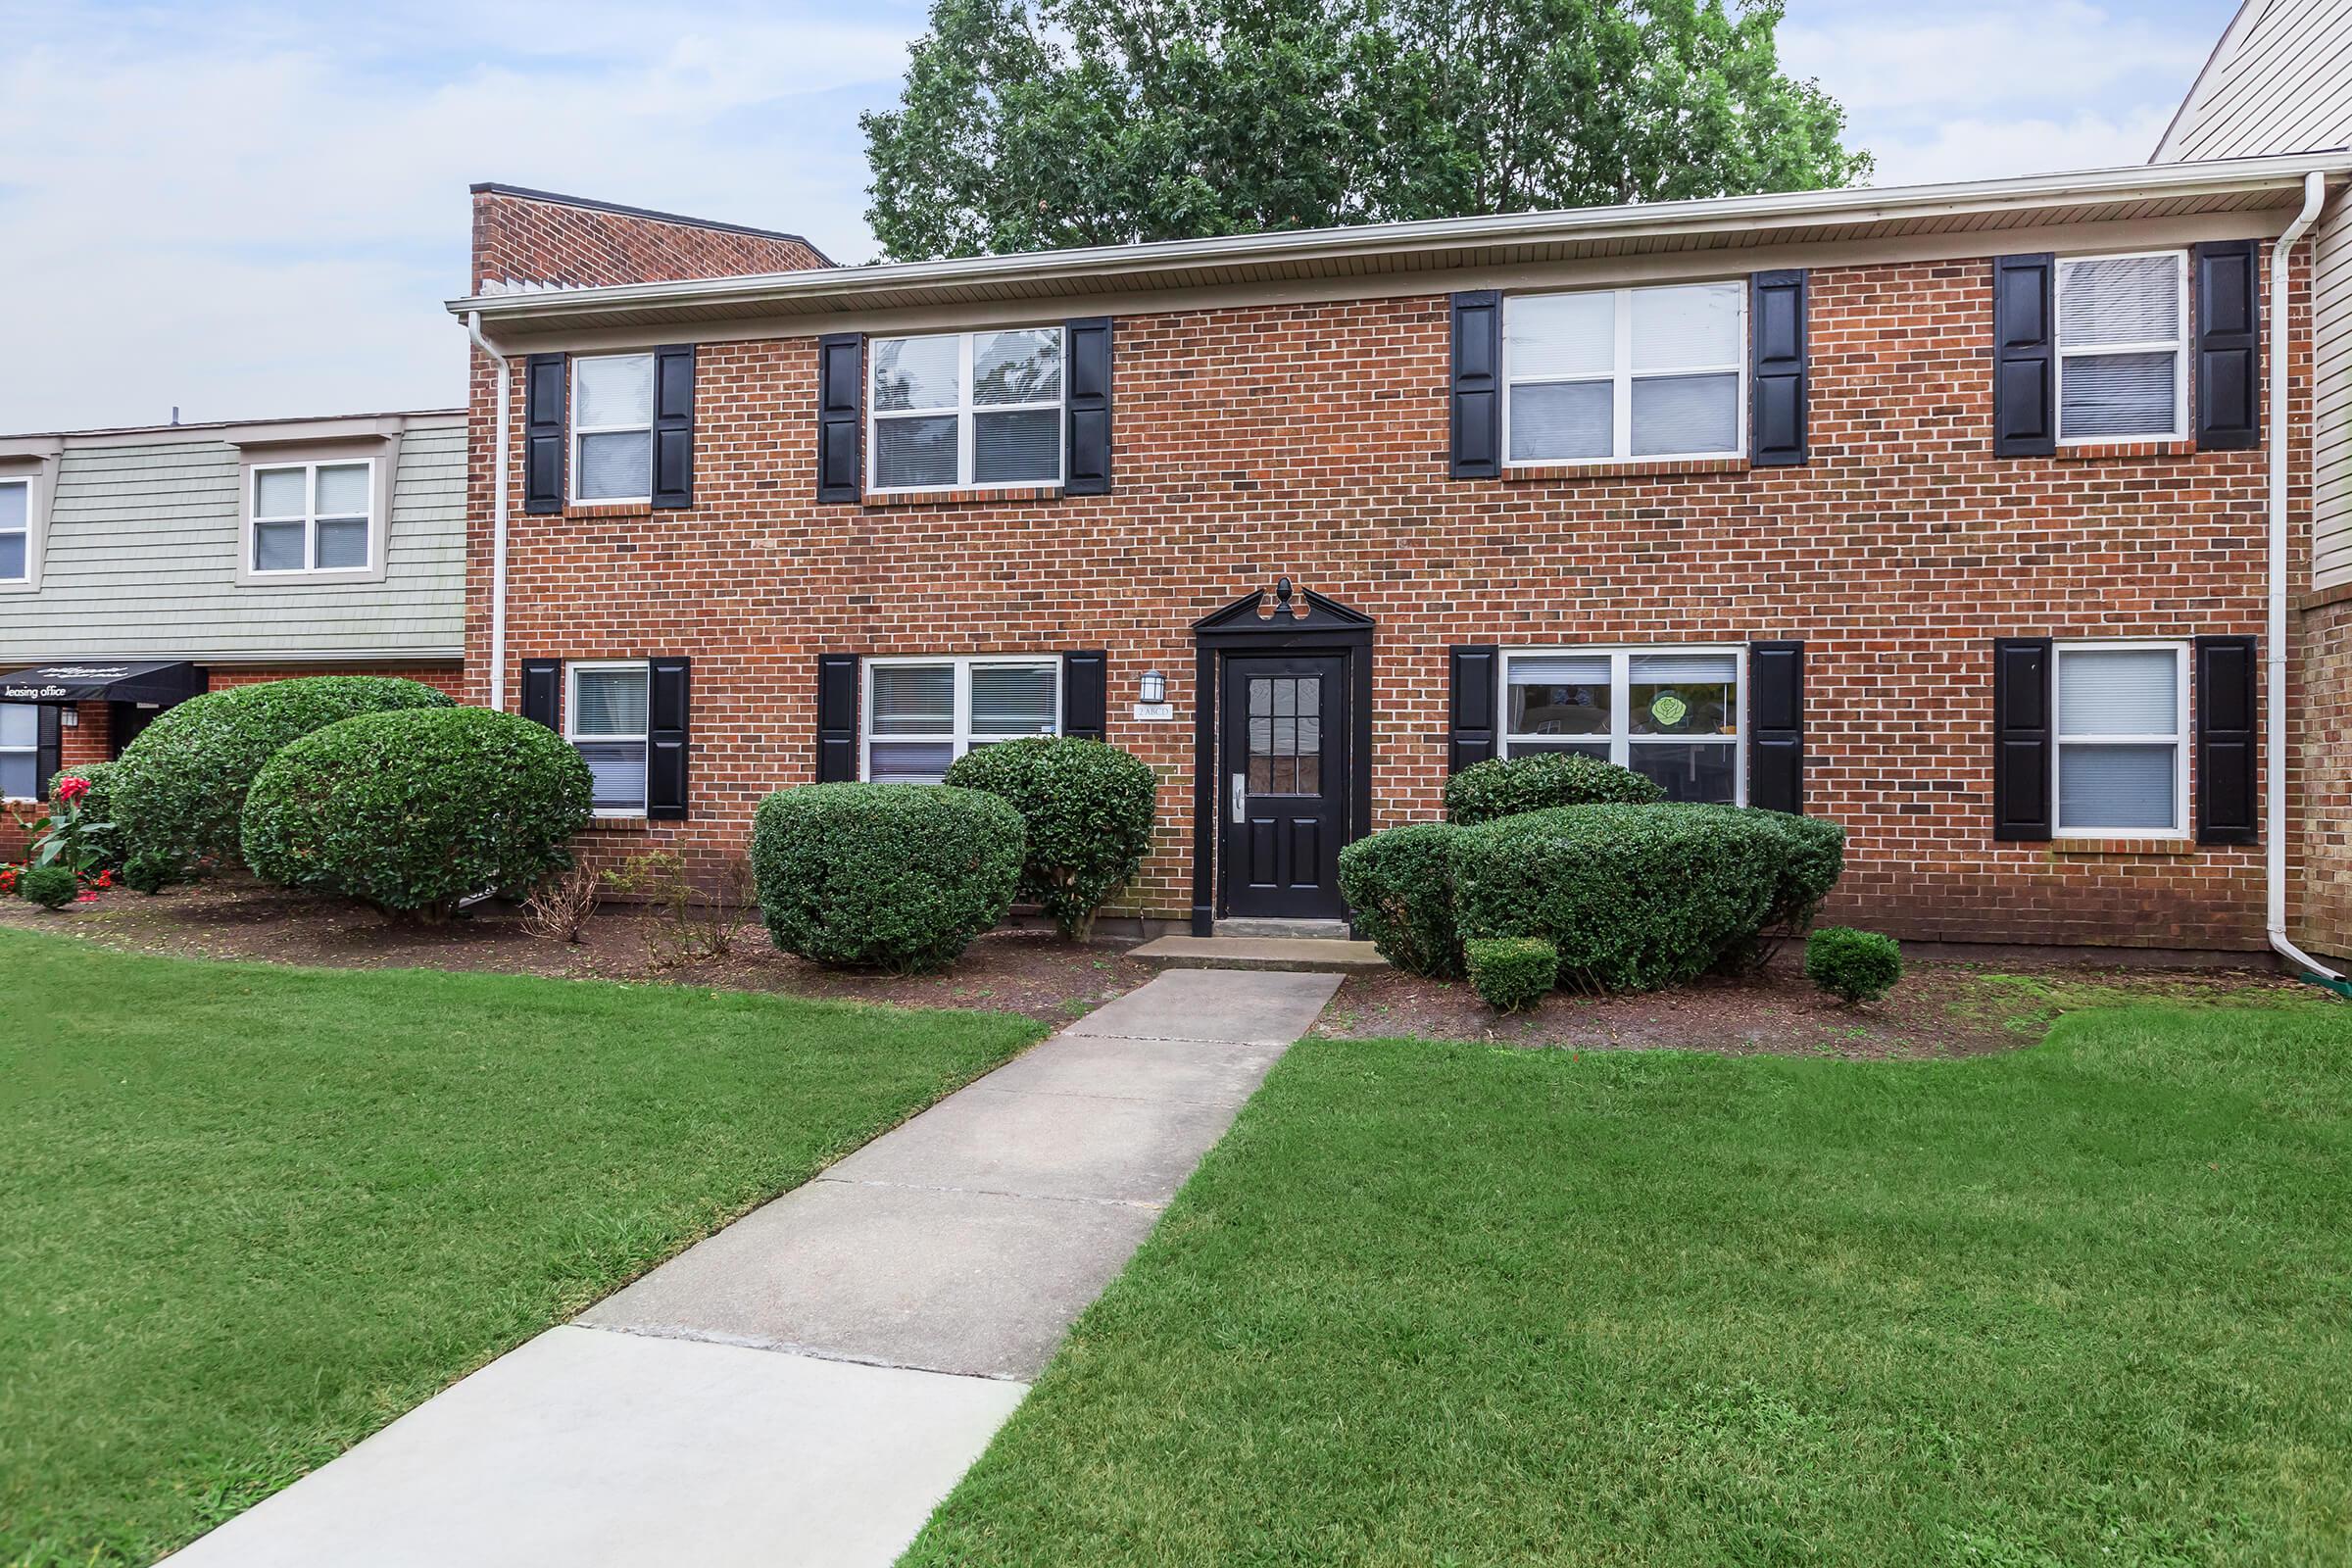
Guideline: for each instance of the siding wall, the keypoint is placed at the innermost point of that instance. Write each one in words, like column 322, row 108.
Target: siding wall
column 142, row 558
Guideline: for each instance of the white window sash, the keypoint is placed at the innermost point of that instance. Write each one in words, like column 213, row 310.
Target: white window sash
column 963, row 408
column 1621, row 740
column 1622, row 379
column 2177, row 739
column 960, row 735
column 309, row 519
column 571, row 482
column 2177, row 346
column 26, row 532
column 572, row 671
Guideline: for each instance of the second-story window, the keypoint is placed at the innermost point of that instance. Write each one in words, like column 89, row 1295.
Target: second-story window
column 613, row 427
column 967, row 409
column 16, row 530
column 313, row 517
column 2122, row 321
column 1627, row 372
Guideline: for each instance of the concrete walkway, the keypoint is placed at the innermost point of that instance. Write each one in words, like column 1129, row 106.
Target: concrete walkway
column 804, row 1386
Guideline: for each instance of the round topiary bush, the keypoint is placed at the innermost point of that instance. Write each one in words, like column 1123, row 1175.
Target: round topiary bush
column 179, row 789
column 1855, row 966
column 1086, row 809
column 1505, row 786
column 1511, row 974
column 52, row 887
column 1399, row 885
column 413, row 810
column 884, row 876
column 1812, row 859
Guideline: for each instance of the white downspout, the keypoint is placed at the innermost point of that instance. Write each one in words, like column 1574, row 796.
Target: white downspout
column 2314, row 196
column 498, row 513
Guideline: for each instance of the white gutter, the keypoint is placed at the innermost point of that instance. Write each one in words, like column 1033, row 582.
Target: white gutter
column 2314, row 196
column 498, row 513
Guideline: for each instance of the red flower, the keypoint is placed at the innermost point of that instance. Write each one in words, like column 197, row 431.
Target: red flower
column 72, row 787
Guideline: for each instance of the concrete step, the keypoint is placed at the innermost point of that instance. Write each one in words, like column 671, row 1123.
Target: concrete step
column 1267, row 926
column 1309, row 954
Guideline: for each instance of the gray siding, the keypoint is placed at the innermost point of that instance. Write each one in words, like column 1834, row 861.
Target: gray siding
column 142, row 558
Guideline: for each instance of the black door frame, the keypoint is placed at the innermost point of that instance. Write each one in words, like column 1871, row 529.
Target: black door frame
column 1326, row 626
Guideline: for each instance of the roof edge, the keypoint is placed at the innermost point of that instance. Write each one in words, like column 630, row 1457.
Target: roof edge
column 494, row 187
column 200, row 428
column 2225, row 49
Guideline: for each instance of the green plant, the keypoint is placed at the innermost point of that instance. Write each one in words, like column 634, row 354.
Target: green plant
column 52, row 887
column 1511, row 974
column 1855, row 966
column 1505, row 786
column 1399, row 884
column 150, row 873
column 179, row 788
column 417, row 809
column 79, row 829
column 884, row 876
column 1086, row 809
column 690, row 918
column 1812, row 858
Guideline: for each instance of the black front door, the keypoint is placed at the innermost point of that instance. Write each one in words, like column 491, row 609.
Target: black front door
column 1284, row 805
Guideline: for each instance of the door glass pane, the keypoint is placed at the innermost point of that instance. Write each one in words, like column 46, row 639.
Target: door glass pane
column 915, row 451
column 2116, row 394
column 277, row 547
column 614, row 391
column 616, row 466
column 1013, row 700
column 910, row 762
column 1678, row 414
column 608, row 702
column 280, row 493
column 1017, row 367
column 2116, row 787
column 1686, row 327
column 1285, row 735
column 343, row 546
column 1554, row 421
column 1682, row 693
column 1563, row 334
column 916, row 373
column 616, row 775
column 20, row 724
column 343, row 490
column 2118, row 691
column 1688, row 770
column 913, row 699
column 1016, row 448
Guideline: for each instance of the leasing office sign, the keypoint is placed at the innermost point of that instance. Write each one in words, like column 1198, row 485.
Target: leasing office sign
column 53, row 681
column 162, row 683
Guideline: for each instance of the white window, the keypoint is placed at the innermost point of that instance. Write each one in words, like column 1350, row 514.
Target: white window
column 1627, row 372
column 613, row 427
column 2122, row 322
column 1669, row 713
column 313, row 517
column 603, row 719
column 16, row 530
column 924, row 713
column 2123, row 721
column 20, row 752
column 965, row 409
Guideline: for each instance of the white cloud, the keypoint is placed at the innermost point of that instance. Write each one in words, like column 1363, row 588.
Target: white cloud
column 1983, row 149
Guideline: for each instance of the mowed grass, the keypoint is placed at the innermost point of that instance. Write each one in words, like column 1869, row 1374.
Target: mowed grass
column 253, row 1213
column 2088, row 1303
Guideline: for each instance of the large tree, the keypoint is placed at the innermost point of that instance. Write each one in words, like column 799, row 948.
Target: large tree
column 1032, row 124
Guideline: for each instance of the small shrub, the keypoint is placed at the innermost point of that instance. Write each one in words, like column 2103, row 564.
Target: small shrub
column 1399, row 884
column 179, row 788
column 1511, row 974
column 52, row 887
column 416, row 810
column 1086, row 809
column 1506, row 786
column 150, row 873
column 1855, row 966
column 689, row 921
column 884, row 876
column 561, row 907
column 1812, row 859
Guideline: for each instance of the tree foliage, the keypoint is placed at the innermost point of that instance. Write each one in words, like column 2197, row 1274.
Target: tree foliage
column 1029, row 124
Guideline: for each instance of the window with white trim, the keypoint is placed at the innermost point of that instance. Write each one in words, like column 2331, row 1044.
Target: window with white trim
column 965, row 409
column 313, row 517
column 2123, row 325
column 613, row 427
column 16, row 530
column 923, row 714
column 1669, row 713
column 605, row 720
column 2122, row 739
column 1627, row 372
column 20, row 752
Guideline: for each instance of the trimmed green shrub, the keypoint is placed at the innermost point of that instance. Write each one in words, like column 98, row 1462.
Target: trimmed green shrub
column 1812, row 859
column 1855, row 966
column 413, row 810
column 1634, row 897
column 1399, row 884
column 1506, row 786
column 52, row 887
column 150, row 873
column 179, row 788
column 1511, row 974
column 1086, row 809
column 884, row 876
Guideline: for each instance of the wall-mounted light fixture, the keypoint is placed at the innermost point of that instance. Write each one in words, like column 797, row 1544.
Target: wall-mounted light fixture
column 1152, row 687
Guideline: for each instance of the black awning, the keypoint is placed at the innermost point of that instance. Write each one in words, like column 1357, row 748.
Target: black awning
column 160, row 684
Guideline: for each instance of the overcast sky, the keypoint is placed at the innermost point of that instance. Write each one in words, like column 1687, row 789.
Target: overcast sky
column 256, row 211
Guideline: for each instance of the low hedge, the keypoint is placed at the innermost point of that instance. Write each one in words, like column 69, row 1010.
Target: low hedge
column 1399, row 884
column 884, row 876
column 1511, row 974
column 1854, row 966
column 52, row 887
column 179, row 790
column 1086, row 809
column 1505, row 786
column 415, row 810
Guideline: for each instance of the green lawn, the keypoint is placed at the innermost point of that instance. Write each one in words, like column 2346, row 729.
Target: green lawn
column 2091, row 1302
column 253, row 1213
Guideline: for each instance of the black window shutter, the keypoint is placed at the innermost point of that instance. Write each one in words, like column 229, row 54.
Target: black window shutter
column 1777, row 417
column 1085, row 694
column 2024, row 358
column 669, row 698
column 674, row 425
column 1089, row 346
column 48, row 747
column 1474, row 670
column 546, row 384
column 836, row 719
column 840, row 410
column 1775, row 725
column 2021, row 725
column 1477, row 385
column 2229, row 368
column 543, row 692
column 2229, row 802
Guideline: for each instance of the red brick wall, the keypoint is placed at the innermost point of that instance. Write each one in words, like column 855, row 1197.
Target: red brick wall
column 525, row 239
column 2324, row 807
column 1310, row 440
